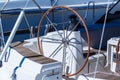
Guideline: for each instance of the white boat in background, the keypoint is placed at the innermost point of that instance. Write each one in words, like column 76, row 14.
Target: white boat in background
column 63, row 52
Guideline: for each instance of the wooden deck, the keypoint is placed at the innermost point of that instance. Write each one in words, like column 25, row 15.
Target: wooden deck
column 18, row 46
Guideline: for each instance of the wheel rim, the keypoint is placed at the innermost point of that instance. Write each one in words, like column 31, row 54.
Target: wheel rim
column 64, row 41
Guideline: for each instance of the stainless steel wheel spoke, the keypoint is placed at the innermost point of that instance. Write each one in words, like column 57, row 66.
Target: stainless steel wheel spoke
column 53, row 25
column 51, row 41
column 73, row 55
column 75, row 48
column 45, row 38
column 76, row 41
column 56, row 50
column 73, row 29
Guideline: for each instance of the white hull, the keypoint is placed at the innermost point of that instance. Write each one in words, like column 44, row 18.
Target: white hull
column 26, row 69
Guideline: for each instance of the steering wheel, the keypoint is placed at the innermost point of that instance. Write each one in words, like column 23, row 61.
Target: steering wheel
column 65, row 40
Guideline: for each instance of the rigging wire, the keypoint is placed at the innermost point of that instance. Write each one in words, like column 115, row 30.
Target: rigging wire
column 37, row 5
column 5, row 4
column 55, row 2
column 96, row 66
column 27, row 22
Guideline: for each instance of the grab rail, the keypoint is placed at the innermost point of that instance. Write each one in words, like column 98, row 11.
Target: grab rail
column 93, row 2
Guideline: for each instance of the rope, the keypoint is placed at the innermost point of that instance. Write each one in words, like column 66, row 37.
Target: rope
column 15, row 69
column 107, row 8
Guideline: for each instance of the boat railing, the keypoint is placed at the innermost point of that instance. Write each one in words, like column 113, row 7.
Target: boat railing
column 32, row 32
column 88, row 7
column 14, row 30
column 2, row 41
column 19, row 20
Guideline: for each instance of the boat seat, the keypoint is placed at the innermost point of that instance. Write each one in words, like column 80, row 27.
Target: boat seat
column 18, row 46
